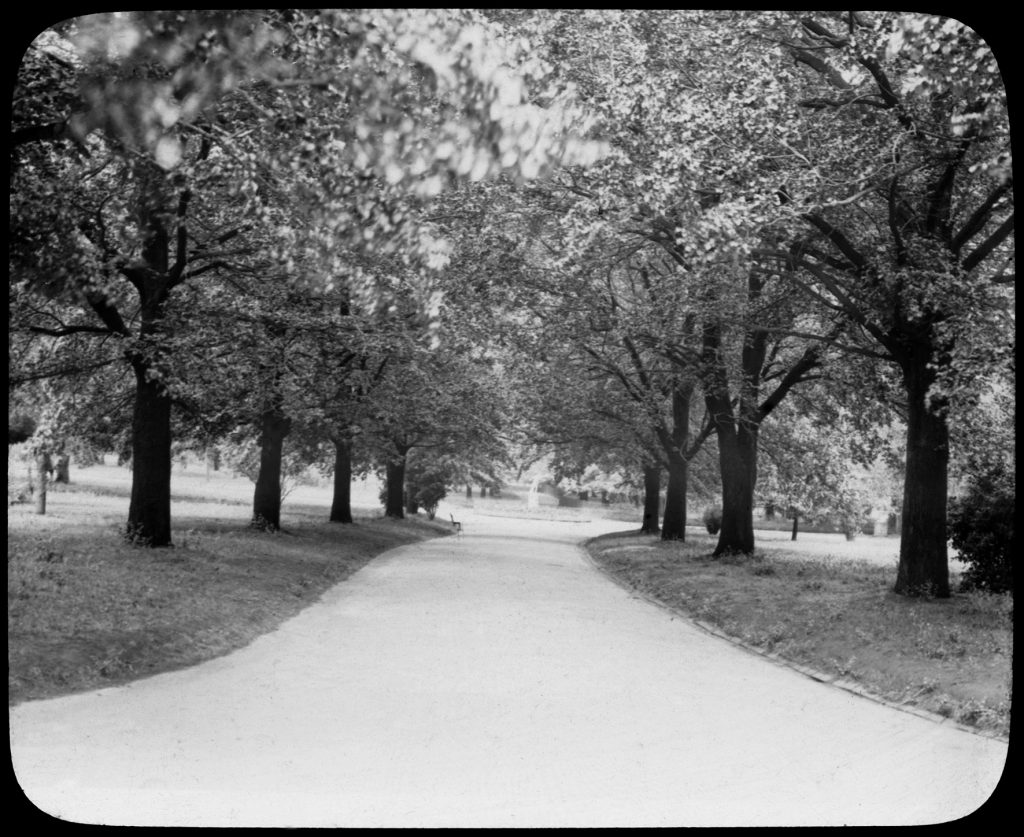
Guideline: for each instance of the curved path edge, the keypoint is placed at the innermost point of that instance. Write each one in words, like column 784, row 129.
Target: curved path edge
column 807, row 671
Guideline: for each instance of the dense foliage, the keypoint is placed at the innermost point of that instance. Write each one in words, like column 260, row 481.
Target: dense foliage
column 748, row 251
column 981, row 529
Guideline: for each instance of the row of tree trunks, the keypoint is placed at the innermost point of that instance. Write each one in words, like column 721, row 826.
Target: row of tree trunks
column 923, row 562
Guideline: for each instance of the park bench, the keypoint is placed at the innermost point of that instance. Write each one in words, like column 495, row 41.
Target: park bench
column 456, row 525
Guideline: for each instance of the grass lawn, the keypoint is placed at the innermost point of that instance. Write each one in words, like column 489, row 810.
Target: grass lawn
column 85, row 610
column 836, row 613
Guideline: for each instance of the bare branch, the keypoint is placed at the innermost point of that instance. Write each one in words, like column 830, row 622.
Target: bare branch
column 894, row 226
column 108, row 313
column 989, row 244
column 199, row 271
column 810, row 359
column 840, row 241
column 822, row 32
column 884, row 85
column 980, row 216
column 820, row 66
column 64, row 331
column 181, row 258
column 50, row 132
column 820, row 102
column 706, row 430
column 848, row 306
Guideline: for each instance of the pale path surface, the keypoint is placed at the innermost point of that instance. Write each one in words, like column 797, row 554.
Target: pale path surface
column 496, row 679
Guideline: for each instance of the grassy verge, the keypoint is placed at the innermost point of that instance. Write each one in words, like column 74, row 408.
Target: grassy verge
column 837, row 616
column 85, row 610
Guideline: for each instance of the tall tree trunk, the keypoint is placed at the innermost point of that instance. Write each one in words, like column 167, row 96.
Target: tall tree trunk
column 652, row 498
column 394, row 505
column 737, row 460
column 736, row 428
column 149, row 512
column 341, row 503
column 266, row 502
column 673, row 525
column 924, row 561
column 43, row 463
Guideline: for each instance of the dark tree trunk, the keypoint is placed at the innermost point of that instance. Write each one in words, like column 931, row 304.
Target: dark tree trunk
column 266, row 501
column 149, row 512
column 737, row 459
column 736, row 428
column 62, row 469
column 673, row 525
column 796, row 525
column 924, row 564
column 341, row 504
column 652, row 497
column 469, row 492
column 395, row 475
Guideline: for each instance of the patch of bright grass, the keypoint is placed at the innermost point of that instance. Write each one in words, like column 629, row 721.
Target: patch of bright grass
column 86, row 610
column 837, row 615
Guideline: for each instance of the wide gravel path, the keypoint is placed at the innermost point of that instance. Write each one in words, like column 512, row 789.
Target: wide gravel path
column 496, row 679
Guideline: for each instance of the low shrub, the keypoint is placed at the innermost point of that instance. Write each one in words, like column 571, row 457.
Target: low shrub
column 429, row 495
column 981, row 530
column 713, row 520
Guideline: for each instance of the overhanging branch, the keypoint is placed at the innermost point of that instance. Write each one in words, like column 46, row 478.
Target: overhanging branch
column 984, row 249
column 980, row 216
